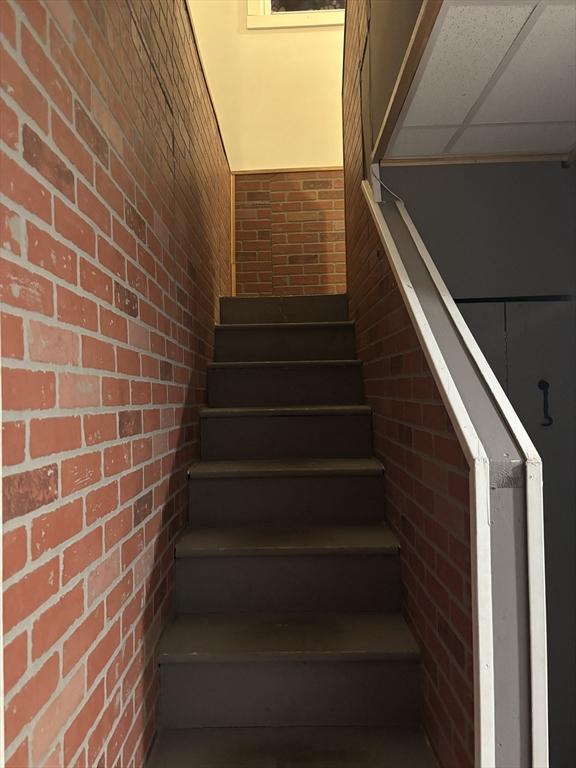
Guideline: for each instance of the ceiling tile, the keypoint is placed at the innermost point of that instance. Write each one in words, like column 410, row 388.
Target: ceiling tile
column 539, row 83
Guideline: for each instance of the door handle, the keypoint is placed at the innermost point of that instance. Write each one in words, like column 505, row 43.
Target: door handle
column 545, row 387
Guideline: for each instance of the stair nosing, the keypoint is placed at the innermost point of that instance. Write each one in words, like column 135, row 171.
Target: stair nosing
column 286, row 410
column 328, row 297
column 283, row 364
column 285, row 656
column 284, row 326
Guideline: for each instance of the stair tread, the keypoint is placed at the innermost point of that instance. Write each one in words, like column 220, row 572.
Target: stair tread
column 235, row 364
column 282, row 540
column 291, row 748
column 286, row 467
column 287, row 410
column 287, row 637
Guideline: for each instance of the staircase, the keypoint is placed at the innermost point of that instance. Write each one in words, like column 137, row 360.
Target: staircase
column 288, row 647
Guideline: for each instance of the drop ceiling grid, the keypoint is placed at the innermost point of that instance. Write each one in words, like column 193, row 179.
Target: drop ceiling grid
column 464, row 32
column 514, row 138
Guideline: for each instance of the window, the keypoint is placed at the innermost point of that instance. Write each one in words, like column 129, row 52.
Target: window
column 294, row 13
column 294, row 6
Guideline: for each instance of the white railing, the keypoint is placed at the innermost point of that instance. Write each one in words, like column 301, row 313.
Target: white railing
column 487, row 736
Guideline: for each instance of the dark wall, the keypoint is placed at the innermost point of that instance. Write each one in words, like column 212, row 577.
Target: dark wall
column 509, row 230
column 495, row 230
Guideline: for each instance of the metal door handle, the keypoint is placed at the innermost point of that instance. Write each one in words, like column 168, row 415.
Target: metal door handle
column 545, row 387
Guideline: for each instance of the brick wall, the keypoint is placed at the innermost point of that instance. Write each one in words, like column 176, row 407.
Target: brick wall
column 427, row 476
column 115, row 245
column 290, row 233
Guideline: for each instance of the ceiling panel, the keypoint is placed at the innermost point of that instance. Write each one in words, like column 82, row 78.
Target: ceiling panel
column 468, row 44
column 418, row 142
column 539, row 82
column 534, row 138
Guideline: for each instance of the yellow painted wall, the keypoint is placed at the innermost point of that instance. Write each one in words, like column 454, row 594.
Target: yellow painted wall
column 277, row 92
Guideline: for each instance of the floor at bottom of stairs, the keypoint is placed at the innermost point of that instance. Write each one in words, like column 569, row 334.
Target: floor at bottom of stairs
column 291, row 748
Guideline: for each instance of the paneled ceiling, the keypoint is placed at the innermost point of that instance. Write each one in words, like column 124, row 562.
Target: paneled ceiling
column 498, row 77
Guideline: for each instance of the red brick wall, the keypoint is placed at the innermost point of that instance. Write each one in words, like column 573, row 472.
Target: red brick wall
column 115, row 246
column 427, row 476
column 290, row 233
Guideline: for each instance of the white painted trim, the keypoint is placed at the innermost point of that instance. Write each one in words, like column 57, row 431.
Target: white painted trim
column 537, row 608
column 485, row 730
column 259, row 16
column 482, row 613
column 534, row 507
column 295, row 169
column 258, row 7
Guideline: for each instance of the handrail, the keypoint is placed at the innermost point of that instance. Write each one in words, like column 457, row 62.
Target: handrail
column 478, row 462
column 534, row 508
column 483, row 493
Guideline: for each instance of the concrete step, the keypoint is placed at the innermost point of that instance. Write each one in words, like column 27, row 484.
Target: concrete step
column 277, row 670
column 305, row 491
column 296, row 569
column 286, row 432
column 284, row 341
column 284, row 309
column 302, row 382
column 292, row 748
